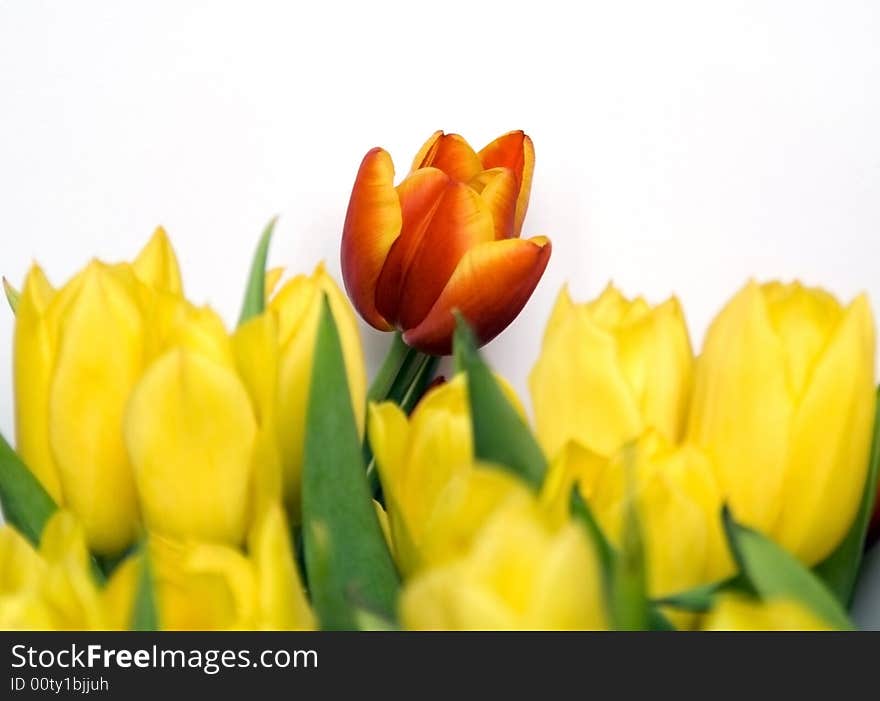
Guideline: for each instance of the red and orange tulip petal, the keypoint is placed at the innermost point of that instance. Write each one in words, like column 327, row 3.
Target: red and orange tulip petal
column 490, row 286
column 372, row 224
column 462, row 220
column 451, row 154
column 498, row 188
column 514, row 150
column 419, row 195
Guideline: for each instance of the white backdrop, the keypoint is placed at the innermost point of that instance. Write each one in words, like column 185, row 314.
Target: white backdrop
column 680, row 146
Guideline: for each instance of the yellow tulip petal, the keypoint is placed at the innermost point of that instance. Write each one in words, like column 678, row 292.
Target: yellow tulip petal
column 255, row 344
column 741, row 408
column 118, row 596
column 203, row 586
column 462, row 508
column 21, row 568
column 830, row 441
column 578, row 390
column 734, row 612
column 444, row 599
column 568, row 588
column 298, row 305
column 99, row 359
column 32, row 367
column 201, row 330
column 655, row 353
column 68, row 587
column 190, row 431
column 156, row 265
column 281, row 600
column 273, row 277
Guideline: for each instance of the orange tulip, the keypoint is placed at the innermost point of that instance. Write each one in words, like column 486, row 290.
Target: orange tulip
column 445, row 238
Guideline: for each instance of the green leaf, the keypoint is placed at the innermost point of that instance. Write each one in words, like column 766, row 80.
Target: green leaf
column 630, row 607
column 26, row 504
column 12, row 295
column 774, row 573
column 255, row 291
column 582, row 513
column 697, row 600
column 500, row 434
column 145, row 615
column 346, row 556
column 657, row 621
column 840, row 569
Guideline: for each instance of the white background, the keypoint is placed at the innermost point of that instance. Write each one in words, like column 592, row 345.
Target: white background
column 681, row 147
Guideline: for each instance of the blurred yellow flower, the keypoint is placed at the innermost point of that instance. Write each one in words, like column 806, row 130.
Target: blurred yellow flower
column 519, row 573
column 51, row 588
column 208, row 586
column 78, row 352
column 735, row 612
column 676, row 497
column 783, row 403
column 436, row 495
column 610, row 369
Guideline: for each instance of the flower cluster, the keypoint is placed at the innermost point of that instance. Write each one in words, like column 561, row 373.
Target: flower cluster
column 170, row 473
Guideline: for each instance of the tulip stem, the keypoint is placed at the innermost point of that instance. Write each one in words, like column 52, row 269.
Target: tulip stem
column 394, row 361
column 403, row 378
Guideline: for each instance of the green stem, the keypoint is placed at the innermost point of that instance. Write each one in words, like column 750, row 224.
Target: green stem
column 391, row 366
column 403, row 378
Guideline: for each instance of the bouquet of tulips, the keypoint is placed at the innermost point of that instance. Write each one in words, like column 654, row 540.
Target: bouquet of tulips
column 169, row 473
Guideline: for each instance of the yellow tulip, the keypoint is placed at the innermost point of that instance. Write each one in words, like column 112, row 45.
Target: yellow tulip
column 610, row 369
column 734, row 612
column 676, row 497
column 436, row 495
column 208, row 586
column 783, row 403
column 78, row 352
column 274, row 353
column 51, row 588
column 519, row 573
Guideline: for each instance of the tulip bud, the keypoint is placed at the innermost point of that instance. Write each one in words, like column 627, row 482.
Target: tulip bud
column 735, row 612
column 783, row 403
column 436, row 495
column 676, row 497
column 519, row 573
column 412, row 254
column 609, row 370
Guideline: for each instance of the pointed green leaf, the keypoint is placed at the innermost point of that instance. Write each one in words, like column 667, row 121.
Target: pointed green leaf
column 145, row 614
column 630, row 608
column 255, row 291
column 697, row 600
column 657, row 621
column 500, row 434
column 12, row 295
column 774, row 573
column 840, row 569
column 347, row 558
column 26, row 504
column 582, row 513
